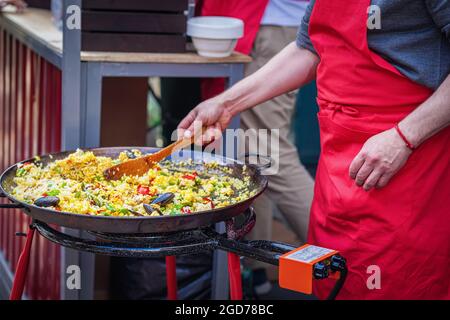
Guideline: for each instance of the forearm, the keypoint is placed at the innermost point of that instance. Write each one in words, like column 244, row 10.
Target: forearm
column 291, row 68
column 430, row 117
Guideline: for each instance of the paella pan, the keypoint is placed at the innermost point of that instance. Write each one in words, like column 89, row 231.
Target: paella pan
column 68, row 189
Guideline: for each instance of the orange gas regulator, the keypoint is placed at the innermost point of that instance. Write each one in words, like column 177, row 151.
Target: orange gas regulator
column 298, row 268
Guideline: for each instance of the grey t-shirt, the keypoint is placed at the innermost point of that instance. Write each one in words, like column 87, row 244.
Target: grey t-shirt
column 414, row 37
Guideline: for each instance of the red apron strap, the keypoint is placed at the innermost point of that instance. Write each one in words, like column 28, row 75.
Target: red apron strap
column 349, row 72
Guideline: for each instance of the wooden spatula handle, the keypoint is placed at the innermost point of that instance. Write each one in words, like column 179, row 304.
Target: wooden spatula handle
column 139, row 166
column 167, row 151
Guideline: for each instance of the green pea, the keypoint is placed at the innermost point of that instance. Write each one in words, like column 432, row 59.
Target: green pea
column 53, row 192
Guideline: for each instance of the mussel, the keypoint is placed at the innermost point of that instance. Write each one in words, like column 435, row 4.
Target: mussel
column 130, row 154
column 135, row 213
column 150, row 209
column 161, row 200
column 44, row 202
column 164, row 198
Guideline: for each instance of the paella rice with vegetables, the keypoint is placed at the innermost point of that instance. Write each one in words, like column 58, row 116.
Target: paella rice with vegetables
column 76, row 184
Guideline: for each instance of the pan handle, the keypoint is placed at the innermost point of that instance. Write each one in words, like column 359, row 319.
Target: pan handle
column 268, row 161
column 9, row 205
column 262, row 250
column 265, row 251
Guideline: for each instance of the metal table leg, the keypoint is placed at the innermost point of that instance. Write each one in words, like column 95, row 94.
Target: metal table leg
column 220, row 284
column 92, row 105
column 91, row 121
column 73, row 89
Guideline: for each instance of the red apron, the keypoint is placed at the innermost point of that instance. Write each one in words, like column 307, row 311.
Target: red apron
column 402, row 230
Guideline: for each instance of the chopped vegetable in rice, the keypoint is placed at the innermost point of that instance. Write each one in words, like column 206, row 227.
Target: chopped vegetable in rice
column 76, row 184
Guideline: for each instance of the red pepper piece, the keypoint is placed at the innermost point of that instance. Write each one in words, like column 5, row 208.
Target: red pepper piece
column 206, row 199
column 186, row 210
column 143, row 190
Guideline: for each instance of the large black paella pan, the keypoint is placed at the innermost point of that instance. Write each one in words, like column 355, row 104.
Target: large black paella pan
column 150, row 224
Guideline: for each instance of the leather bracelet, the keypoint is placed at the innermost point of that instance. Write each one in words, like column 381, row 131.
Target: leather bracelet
column 400, row 133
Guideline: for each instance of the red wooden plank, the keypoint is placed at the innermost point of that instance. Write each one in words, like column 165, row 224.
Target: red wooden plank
column 4, row 140
column 58, row 113
column 49, row 107
column 57, row 134
column 30, row 94
column 18, row 134
column 23, row 218
column 54, row 111
column 19, row 75
column 26, row 102
column 2, row 113
column 53, row 137
column 13, row 99
column 40, row 146
column 16, row 155
column 39, row 268
column 18, row 142
column 12, row 153
column 3, row 225
column 10, row 128
column 23, row 94
column 34, row 151
column 44, row 254
column 18, row 214
column 50, row 93
column 45, row 286
column 38, row 250
column 7, row 136
column 35, row 106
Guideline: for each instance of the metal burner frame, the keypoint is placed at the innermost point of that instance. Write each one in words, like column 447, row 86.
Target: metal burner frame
column 173, row 244
column 169, row 245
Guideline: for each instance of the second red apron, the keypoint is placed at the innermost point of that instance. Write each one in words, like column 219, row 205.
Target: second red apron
column 396, row 239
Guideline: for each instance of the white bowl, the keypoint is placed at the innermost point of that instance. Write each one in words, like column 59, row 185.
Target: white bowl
column 215, row 36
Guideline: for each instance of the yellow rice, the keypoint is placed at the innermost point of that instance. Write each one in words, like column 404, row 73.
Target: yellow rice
column 79, row 184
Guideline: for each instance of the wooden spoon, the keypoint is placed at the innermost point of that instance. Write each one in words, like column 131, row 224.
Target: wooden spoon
column 139, row 166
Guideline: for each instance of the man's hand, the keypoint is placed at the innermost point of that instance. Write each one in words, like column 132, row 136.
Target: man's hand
column 382, row 156
column 212, row 115
column 19, row 4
